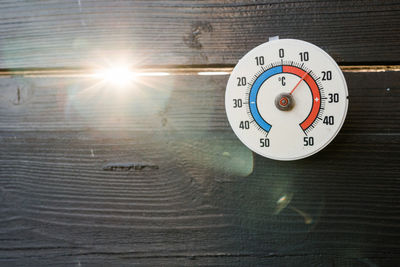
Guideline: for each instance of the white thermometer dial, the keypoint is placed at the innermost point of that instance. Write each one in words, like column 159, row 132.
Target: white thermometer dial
column 286, row 99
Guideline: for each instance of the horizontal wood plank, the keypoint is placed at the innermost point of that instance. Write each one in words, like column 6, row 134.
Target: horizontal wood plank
column 183, row 103
column 84, row 33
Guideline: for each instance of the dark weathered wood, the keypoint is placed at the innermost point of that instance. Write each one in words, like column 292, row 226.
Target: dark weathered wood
column 170, row 103
column 87, row 33
column 153, row 175
column 57, row 198
column 210, row 201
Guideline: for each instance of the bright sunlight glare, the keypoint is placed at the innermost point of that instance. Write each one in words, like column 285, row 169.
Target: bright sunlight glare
column 122, row 76
column 207, row 73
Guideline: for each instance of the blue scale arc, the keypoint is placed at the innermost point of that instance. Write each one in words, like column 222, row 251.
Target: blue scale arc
column 253, row 96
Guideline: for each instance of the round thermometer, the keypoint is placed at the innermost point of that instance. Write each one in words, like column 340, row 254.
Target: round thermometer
column 286, row 99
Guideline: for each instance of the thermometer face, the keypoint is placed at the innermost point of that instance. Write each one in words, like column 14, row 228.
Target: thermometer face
column 286, row 99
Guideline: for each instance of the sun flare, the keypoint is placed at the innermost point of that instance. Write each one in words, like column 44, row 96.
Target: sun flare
column 119, row 76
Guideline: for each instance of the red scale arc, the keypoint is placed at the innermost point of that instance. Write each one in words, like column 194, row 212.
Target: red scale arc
column 316, row 96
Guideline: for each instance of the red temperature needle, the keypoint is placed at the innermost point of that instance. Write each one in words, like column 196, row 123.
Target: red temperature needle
column 302, row 78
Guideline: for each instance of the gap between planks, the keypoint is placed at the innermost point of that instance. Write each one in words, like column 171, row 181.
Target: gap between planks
column 165, row 71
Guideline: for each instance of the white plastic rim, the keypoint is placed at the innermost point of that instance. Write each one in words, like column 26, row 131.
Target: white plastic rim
column 275, row 68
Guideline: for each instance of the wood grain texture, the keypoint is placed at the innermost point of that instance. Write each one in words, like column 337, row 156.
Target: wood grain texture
column 60, row 206
column 211, row 201
column 182, row 103
column 87, row 33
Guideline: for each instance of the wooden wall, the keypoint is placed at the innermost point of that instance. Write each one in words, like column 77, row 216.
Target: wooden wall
column 153, row 174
